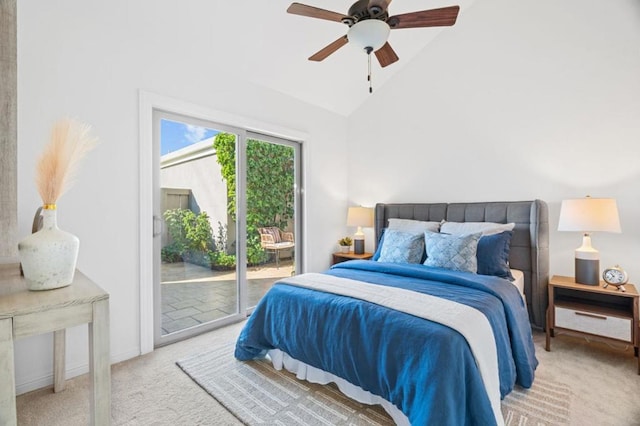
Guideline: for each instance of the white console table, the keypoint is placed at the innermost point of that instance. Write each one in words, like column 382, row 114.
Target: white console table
column 26, row 313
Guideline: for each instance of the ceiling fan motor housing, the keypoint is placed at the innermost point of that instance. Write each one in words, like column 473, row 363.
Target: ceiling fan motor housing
column 376, row 7
column 365, row 9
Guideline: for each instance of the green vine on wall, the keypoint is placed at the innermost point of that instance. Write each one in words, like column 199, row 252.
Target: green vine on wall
column 270, row 184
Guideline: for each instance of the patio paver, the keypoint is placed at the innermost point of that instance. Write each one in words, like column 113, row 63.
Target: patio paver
column 192, row 295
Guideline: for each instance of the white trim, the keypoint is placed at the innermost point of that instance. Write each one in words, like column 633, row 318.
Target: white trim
column 146, row 104
column 149, row 101
column 47, row 380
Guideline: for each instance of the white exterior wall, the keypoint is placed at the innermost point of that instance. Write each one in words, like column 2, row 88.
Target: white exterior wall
column 208, row 189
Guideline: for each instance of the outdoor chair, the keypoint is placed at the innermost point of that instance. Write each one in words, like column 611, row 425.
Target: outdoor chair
column 273, row 239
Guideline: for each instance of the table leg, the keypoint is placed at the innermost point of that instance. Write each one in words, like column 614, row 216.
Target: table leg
column 547, row 345
column 59, row 343
column 99, row 364
column 7, row 375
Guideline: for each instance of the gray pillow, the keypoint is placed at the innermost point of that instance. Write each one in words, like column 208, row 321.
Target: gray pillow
column 454, row 252
column 413, row 226
column 401, row 247
column 486, row 228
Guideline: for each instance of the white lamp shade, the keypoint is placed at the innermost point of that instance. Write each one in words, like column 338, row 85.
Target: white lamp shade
column 589, row 214
column 360, row 216
column 371, row 33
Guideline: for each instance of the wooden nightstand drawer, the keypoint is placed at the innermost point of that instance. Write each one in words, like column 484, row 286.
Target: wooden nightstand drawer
column 593, row 311
column 594, row 323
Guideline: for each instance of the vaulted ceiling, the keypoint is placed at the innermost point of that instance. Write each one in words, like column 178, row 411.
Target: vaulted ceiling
column 276, row 45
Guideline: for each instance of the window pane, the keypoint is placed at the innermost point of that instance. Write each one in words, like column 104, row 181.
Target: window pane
column 198, row 248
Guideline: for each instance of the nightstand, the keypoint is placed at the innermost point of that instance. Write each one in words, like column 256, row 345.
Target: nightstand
column 342, row 257
column 605, row 314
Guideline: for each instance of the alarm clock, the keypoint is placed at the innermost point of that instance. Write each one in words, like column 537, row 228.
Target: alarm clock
column 616, row 276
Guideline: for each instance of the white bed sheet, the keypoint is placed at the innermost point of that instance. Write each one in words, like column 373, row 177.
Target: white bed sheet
column 311, row 374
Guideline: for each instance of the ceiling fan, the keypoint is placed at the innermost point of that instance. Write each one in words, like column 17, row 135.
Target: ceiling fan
column 369, row 26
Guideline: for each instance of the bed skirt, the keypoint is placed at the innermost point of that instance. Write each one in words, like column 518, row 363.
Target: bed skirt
column 311, row 374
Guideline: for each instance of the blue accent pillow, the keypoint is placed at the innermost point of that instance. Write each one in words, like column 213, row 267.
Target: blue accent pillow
column 401, row 247
column 493, row 255
column 376, row 255
column 453, row 252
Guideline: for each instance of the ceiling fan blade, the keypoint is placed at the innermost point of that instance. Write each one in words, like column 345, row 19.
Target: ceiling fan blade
column 443, row 17
column 386, row 55
column 315, row 12
column 329, row 49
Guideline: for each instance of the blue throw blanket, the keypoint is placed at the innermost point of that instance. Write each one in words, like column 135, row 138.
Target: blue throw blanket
column 424, row 368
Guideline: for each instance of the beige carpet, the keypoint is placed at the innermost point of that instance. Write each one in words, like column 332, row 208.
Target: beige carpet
column 152, row 390
column 258, row 394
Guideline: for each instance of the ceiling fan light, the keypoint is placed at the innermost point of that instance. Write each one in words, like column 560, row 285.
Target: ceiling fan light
column 371, row 33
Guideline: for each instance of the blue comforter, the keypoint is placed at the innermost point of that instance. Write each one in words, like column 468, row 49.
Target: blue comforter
column 424, row 368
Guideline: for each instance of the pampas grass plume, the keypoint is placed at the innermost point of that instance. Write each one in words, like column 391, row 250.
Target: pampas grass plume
column 58, row 164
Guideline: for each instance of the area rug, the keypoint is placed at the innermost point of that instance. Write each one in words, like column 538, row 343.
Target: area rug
column 258, row 394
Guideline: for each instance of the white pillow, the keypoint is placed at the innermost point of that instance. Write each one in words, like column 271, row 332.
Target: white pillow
column 486, row 228
column 413, row 226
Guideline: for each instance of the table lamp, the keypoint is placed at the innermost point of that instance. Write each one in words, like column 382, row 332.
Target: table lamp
column 588, row 215
column 359, row 216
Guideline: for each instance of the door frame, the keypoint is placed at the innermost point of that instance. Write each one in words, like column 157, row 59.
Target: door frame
column 147, row 102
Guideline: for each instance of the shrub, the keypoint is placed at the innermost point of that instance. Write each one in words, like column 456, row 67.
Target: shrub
column 171, row 254
column 191, row 237
column 222, row 261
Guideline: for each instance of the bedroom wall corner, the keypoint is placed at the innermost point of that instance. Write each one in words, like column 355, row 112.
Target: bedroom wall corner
column 8, row 133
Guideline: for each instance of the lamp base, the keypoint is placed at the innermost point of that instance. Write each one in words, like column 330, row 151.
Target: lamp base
column 358, row 246
column 587, row 271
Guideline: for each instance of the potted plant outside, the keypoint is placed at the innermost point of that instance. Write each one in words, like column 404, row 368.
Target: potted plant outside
column 345, row 244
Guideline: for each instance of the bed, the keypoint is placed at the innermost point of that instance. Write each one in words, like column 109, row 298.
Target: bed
column 431, row 344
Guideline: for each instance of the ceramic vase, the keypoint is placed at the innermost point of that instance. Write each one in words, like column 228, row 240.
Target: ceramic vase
column 345, row 249
column 49, row 256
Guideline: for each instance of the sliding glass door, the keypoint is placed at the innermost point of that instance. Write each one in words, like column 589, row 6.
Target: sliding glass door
column 218, row 190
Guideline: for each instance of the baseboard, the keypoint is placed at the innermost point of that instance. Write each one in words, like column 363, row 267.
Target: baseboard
column 125, row 356
column 47, row 381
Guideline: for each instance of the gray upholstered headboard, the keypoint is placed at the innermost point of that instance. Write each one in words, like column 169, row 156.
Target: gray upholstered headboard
column 529, row 244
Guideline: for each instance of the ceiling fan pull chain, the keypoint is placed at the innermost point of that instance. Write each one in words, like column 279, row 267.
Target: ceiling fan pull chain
column 369, row 69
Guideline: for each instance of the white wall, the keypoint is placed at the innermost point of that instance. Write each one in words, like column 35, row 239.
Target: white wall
column 89, row 59
column 519, row 100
